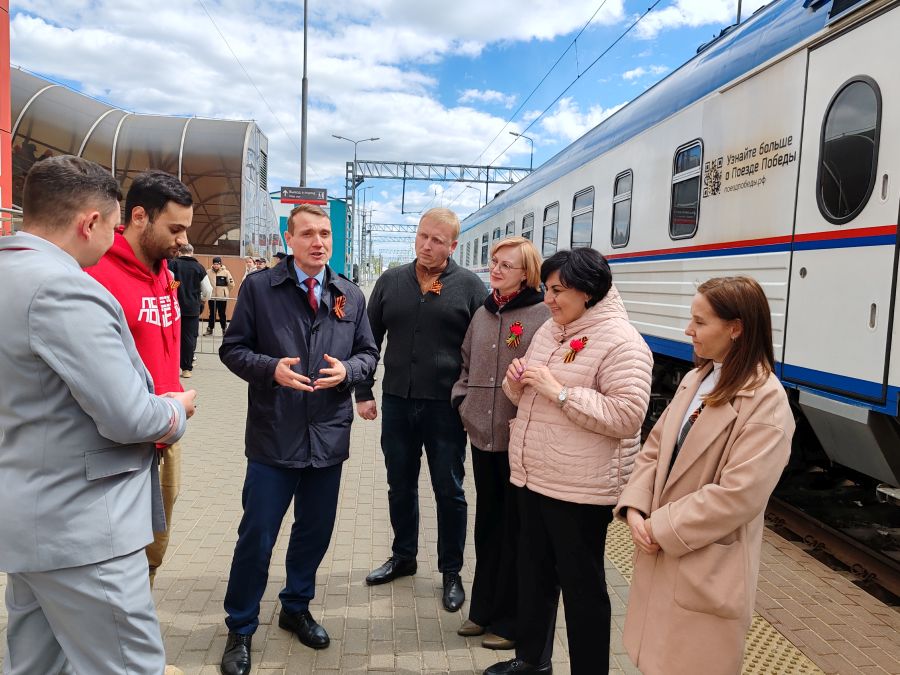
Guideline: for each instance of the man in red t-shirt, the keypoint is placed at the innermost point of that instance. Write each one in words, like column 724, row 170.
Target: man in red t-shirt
column 158, row 212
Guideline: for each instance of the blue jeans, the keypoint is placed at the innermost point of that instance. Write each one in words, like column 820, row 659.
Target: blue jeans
column 268, row 491
column 408, row 425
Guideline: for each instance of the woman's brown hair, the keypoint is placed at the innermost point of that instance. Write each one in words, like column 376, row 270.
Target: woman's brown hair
column 751, row 357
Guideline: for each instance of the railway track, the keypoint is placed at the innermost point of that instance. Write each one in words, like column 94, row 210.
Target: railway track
column 872, row 570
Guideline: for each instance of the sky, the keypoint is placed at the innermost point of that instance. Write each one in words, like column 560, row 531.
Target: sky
column 433, row 81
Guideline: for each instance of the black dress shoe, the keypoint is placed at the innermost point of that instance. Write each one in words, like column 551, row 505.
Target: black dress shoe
column 393, row 568
column 236, row 659
column 517, row 666
column 307, row 630
column 454, row 594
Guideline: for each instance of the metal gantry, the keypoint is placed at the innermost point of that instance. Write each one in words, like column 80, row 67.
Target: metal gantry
column 360, row 169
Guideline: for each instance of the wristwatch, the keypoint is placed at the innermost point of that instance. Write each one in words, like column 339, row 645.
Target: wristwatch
column 562, row 396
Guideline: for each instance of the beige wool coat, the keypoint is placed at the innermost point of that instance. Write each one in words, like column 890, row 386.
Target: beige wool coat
column 484, row 409
column 690, row 604
column 583, row 451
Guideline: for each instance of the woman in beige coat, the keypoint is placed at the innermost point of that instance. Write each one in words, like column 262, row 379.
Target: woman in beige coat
column 582, row 392
column 696, row 499
column 500, row 331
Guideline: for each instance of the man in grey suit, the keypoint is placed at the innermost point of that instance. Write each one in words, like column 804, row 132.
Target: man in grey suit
column 79, row 488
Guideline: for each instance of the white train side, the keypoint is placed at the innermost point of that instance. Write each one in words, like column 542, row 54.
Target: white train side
column 774, row 153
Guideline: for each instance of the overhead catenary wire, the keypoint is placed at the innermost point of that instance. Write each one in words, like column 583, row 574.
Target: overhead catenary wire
column 569, row 86
column 533, row 91
column 250, row 79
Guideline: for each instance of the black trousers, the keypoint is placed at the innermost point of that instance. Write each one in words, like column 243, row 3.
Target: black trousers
column 561, row 545
column 493, row 601
column 190, row 326
column 219, row 306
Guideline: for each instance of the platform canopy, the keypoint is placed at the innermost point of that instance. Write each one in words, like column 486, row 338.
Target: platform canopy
column 223, row 162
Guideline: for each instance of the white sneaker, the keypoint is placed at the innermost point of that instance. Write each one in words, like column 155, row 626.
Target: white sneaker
column 186, row 373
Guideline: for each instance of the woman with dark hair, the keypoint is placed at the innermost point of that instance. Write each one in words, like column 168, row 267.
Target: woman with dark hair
column 500, row 331
column 582, row 391
column 696, row 499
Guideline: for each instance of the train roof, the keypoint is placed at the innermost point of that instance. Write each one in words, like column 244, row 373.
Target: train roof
column 772, row 30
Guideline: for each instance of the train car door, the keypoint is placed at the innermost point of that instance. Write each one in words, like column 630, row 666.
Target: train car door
column 844, row 252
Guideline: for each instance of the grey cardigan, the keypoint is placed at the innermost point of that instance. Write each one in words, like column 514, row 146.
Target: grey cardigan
column 483, row 407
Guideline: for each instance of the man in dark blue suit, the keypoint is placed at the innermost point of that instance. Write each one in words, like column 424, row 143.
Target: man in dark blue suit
column 301, row 338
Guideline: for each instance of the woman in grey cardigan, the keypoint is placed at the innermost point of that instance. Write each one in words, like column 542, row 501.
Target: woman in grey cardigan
column 499, row 332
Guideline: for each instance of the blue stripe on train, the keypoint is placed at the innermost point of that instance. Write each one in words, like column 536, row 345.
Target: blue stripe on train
column 815, row 381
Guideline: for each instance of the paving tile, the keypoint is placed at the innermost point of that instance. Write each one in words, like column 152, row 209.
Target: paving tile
column 401, row 627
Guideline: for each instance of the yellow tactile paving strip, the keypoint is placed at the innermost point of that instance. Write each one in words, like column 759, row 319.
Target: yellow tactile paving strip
column 766, row 651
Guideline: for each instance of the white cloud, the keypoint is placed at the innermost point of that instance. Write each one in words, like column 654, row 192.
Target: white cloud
column 695, row 13
column 568, row 121
column 369, row 75
column 487, row 96
column 641, row 71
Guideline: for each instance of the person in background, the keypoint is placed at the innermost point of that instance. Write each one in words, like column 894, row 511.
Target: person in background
column 194, row 290
column 696, row 499
column 582, row 392
column 78, row 424
column 158, row 212
column 249, row 267
column 301, row 340
column 424, row 309
column 500, row 331
column 223, row 283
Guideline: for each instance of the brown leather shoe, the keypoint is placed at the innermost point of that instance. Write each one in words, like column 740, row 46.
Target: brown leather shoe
column 492, row 641
column 470, row 629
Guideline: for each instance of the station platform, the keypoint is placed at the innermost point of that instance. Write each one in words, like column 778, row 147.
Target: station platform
column 809, row 619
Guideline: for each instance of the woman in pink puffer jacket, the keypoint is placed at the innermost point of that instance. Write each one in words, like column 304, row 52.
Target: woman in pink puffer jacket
column 582, row 391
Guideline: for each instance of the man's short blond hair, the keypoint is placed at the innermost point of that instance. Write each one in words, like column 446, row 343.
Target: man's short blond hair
column 444, row 216
column 313, row 209
column 531, row 259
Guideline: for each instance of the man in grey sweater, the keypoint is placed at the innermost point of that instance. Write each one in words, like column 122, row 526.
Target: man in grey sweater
column 424, row 309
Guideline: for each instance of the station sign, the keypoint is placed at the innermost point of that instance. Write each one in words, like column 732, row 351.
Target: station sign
column 304, row 195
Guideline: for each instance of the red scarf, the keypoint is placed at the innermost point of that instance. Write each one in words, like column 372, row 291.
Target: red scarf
column 503, row 299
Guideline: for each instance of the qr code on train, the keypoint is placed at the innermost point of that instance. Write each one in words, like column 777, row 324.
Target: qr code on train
column 712, row 177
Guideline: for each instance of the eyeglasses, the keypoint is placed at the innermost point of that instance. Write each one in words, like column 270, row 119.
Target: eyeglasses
column 504, row 266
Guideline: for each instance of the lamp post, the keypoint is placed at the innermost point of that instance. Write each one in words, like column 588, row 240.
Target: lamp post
column 477, row 192
column 531, row 141
column 355, row 143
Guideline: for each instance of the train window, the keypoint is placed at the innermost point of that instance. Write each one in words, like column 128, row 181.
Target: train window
column 496, row 234
column 621, row 211
column 468, row 257
column 848, row 158
column 484, row 249
column 510, row 228
column 528, row 226
column 551, row 230
column 582, row 218
column 685, row 213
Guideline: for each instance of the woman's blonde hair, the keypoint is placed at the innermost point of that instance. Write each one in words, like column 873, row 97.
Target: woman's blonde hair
column 531, row 259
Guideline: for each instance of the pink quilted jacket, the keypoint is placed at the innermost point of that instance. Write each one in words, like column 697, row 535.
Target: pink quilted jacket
column 583, row 452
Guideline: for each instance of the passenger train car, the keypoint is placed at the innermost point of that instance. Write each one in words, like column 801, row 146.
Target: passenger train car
column 774, row 153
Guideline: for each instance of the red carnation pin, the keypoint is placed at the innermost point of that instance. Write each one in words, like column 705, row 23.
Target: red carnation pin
column 515, row 335
column 575, row 346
